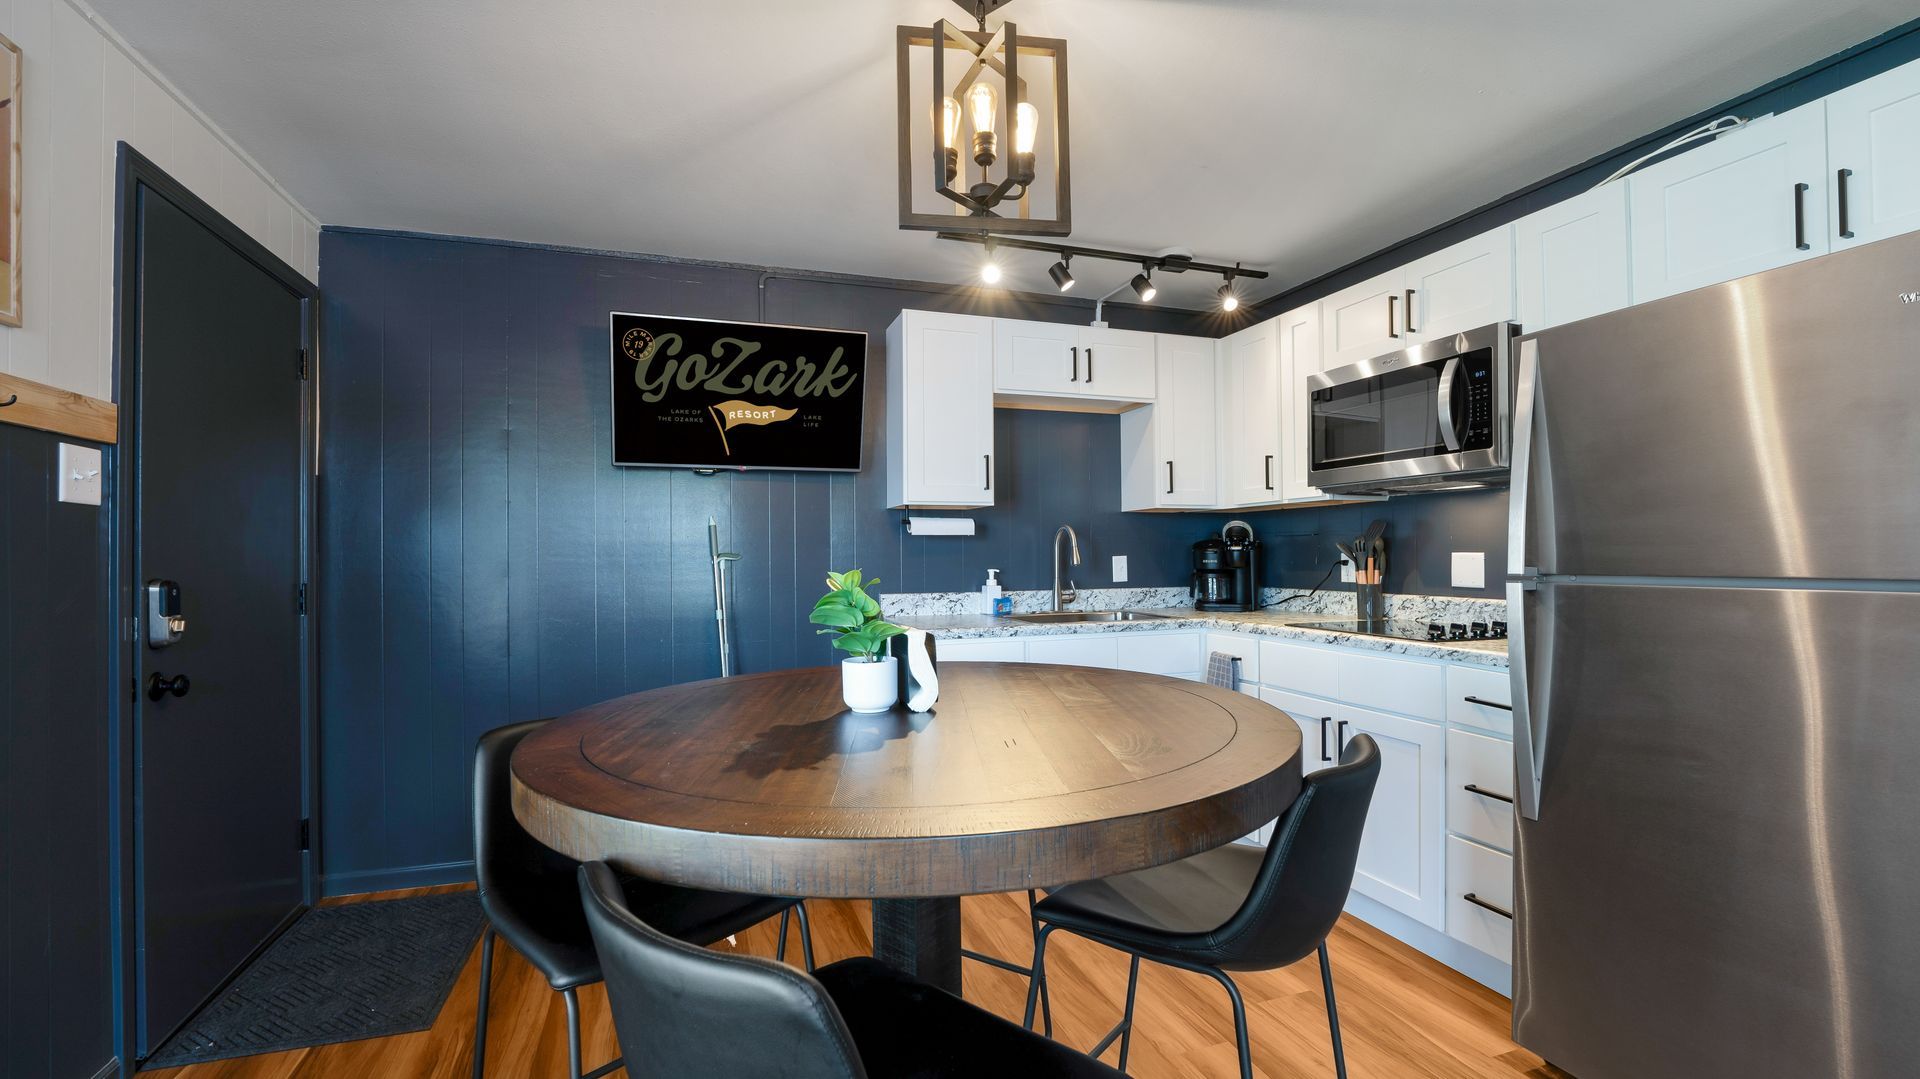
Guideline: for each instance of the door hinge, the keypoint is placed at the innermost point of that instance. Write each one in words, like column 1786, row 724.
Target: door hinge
column 300, row 597
column 306, row 833
column 306, row 370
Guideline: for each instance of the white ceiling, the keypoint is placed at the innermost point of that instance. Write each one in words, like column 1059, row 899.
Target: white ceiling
column 1296, row 135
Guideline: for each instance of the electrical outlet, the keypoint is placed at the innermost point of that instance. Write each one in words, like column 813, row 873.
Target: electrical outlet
column 1469, row 569
column 1346, row 571
column 79, row 474
column 1119, row 569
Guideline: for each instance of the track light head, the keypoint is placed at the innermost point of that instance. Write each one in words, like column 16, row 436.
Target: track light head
column 1229, row 301
column 990, row 269
column 1062, row 276
column 1143, row 287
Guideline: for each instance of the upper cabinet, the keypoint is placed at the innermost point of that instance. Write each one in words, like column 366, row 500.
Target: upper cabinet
column 1089, row 363
column 1167, row 451
column 1751, row 200
column 940, row 410
column 1467, row 285
column 1298, row 332
column 1873, row 154
column 1571, row 260
column 1250, row 464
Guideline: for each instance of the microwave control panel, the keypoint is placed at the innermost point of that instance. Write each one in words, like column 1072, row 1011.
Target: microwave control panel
column 1476, row 426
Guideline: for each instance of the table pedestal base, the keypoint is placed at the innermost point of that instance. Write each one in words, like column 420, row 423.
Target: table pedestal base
column 921, row 937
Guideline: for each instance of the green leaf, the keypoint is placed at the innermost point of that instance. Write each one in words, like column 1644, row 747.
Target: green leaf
column 836, row 616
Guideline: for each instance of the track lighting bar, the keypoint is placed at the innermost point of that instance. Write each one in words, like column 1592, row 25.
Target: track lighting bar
column 1169, row 263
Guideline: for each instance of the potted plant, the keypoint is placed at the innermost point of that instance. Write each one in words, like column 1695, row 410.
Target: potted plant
column 868, row 679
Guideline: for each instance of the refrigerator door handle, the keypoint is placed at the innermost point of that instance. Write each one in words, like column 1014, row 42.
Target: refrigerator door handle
column 1531, row 660
column 1444, row 403
column 1526, row 399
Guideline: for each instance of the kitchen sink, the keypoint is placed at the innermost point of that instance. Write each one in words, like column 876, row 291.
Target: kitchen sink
column 1089, row 616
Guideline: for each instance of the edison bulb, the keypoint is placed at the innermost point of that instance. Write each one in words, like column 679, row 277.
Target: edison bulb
column 1026, row 125
column 949, row 121
column 981, row 100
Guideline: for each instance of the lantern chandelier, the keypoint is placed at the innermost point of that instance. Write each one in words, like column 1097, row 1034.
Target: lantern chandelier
column 992, row 177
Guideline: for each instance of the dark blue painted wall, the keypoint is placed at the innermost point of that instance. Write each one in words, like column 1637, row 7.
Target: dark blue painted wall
column 483, row 563
column 56, row 987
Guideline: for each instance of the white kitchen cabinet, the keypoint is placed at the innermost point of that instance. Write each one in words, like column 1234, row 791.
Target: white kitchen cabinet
column 1298, row 333
column 1243, row 648
column 1751, row 200
column 1483, row 921
column 1873, row 134
column 1480, row 697
column 1158, row 653
column 1401, row 863
column 1462, row 287
column 1093, row 650
column 1480, row 788
column 1364, row 320
column 982, row 650
column 1036, row 357
column 1249, row 407
column 1168, row 450
column 1315, row 720
column 1572, row 260
column 940, row 410
column 1050, row 359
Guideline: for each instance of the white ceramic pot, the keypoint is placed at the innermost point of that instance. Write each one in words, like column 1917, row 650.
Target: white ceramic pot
column 869, row 687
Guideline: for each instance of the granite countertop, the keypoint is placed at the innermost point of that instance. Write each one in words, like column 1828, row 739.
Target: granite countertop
column 1265, row 623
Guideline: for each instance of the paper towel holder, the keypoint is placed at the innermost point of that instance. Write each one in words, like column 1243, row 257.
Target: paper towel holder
column 939, row 526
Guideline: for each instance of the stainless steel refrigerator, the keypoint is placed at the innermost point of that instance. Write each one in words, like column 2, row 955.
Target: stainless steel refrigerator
column 1715, row 587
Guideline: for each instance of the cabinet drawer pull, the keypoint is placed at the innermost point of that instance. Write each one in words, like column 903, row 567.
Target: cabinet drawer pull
column 1089, row 363
column 1408, row 317
column 1800, row 218
column 1840, row 186
column 1076, row 364
column 1470, row 699
column 1324, row 720
column 1340, row 738
column 986, row 469
column 1169, row 477
column 1391, row 300
column 1479, row 902
column 1269, row 467
column 1475, row 788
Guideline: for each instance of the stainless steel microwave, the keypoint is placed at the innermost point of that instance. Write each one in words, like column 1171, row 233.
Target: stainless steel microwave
column 1438, row 416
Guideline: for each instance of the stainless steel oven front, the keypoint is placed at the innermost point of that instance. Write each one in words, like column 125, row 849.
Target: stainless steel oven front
column 1437, row 416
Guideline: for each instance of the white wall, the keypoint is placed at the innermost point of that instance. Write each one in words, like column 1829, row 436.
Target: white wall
column 83, row 90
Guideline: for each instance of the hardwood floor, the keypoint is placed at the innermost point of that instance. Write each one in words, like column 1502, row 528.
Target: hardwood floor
column 1401, row 1014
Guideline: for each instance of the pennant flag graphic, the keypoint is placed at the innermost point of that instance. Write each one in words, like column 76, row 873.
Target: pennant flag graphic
column 731, row 414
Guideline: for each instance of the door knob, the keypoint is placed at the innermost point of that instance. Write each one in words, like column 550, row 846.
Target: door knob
column 159, row 685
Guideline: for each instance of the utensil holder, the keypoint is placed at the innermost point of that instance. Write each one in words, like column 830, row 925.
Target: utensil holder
column 1370, row 603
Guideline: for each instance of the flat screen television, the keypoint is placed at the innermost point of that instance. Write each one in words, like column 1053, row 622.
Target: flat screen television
column 708, row 394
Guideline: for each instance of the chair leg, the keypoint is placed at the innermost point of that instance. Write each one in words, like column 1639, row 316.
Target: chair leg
column 1239, row 1015
column 1046, row 1003
column 573, row 1033
column 1039, row 973
column 1333, row 1014
column 780, row 949
column 1126, row 1035
column 806, row 935
column 480, row 1014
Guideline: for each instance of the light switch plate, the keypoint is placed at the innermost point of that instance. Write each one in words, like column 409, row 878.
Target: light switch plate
column 1119, row 569
column 79, row 474
column 1469, row 569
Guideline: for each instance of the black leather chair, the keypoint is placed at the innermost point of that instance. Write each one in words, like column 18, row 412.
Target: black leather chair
column 1046, row 1004
column 531, row 899
column 680, row 1011
column 1234, row 908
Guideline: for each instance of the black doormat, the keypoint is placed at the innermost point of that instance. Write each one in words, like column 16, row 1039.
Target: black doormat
column 341, row 973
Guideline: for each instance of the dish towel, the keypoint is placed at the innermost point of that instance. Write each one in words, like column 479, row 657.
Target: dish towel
column 1223, row 670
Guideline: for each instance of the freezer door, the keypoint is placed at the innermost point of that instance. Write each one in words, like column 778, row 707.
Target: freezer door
column 1768, row 427
column 1721, row 878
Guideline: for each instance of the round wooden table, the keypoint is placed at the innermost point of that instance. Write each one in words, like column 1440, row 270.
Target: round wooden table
column 1022, row 776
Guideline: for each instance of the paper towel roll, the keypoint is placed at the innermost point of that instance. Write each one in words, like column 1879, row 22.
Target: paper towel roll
column 940, row 526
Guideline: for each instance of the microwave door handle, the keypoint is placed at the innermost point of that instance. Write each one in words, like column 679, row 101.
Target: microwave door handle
column 1444, row 404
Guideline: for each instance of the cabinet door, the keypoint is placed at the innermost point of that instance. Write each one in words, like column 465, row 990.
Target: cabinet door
column 1572, row 261
column 1098, row 650
column 1036, row 357
column 946, row 431
column 1315, row 720
column 1873, row 132
column 1746, row 202
column 1363, row 321
column 1402, row 849
column 1250, row 404
column 1299, row 342
column 1461, row 287
column 1184, row 422
column 1116, row 363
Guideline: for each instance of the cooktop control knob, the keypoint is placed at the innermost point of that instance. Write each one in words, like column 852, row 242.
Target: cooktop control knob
column 1477, row 631
column 1436, row 631
column 1456, row 631
column 1499, row 631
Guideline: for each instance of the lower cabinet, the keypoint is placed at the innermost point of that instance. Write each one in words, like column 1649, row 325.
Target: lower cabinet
column 1480, row 897
column 1400, row 857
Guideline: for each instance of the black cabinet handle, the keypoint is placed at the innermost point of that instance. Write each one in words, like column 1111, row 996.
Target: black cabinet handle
column 1324, row 720
column 1488, row 703
column 1479, row 902
column 986, row 469
column 1840, row 188
column 1408, row 317
column 1475, row 788
column 1076, row 364
column 1340, row 737
column 159, row 685
column 1269, row 468
column 1391, row 300
column 1800, row 218
column 1089, row 363
column 1169, row 477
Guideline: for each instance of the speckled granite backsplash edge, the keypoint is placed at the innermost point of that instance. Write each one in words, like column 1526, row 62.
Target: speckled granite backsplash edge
column 1332, row 603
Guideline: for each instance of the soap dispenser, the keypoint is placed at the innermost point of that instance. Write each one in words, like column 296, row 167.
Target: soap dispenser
column 993, row 598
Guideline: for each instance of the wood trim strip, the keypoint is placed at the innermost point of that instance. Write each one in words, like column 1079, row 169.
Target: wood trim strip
column 49, row 408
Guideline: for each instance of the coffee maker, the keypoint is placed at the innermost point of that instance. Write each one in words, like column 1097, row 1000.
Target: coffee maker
column 1226, row 570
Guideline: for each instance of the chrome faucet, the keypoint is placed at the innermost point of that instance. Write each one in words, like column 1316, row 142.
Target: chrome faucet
column 1062, row 597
